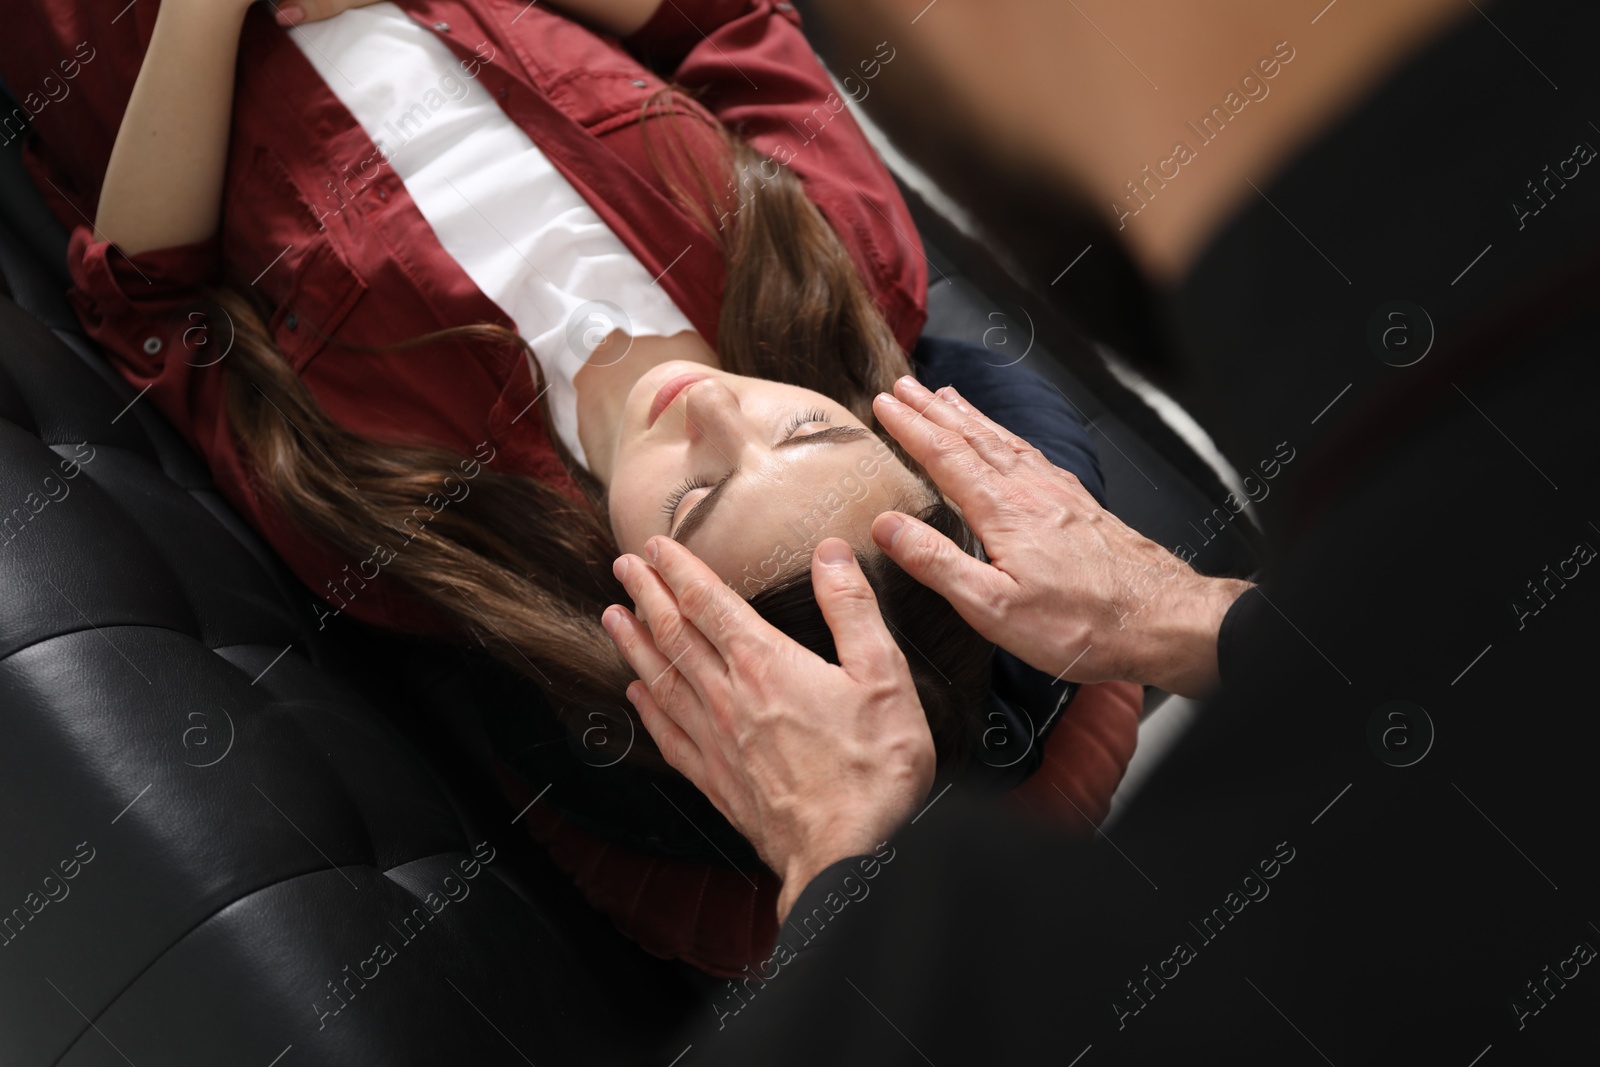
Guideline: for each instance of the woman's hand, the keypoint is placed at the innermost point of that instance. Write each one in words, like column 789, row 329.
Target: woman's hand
column 294, row 12
column 1069, row 588
column 811, row 762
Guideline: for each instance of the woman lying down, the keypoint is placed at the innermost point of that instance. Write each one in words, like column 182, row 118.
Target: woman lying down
column 511, row 332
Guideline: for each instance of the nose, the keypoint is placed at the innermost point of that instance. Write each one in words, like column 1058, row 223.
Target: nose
column 712, row 416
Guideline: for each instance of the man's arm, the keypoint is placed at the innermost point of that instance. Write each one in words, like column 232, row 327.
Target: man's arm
column 1068, row 587
column 811, row 761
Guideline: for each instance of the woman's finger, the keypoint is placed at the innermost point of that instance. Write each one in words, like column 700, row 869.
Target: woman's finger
column 718, row 614
column 675, row 635
column 289, row 13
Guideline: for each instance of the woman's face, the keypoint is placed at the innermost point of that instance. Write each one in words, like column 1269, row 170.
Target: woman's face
column 750, row 474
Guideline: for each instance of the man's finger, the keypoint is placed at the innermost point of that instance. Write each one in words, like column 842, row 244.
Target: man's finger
column 850, row 609
column 719, row 615
column 1023, row 449
column 675, row 635
column 984, row 437
column 674, row 743
column 937, row 562
column 637, row 645
column 964, row 476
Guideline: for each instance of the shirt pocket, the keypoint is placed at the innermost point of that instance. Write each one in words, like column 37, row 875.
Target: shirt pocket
column 294, row 247
column 596, row 83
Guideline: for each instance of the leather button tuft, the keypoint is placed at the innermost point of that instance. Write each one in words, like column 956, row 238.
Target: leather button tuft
column 383, row 194
column 152, row 345
column 442, row 27
column 639, row 83
column 291, row 320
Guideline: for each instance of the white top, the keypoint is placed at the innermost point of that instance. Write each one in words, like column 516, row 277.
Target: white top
column 494, row 200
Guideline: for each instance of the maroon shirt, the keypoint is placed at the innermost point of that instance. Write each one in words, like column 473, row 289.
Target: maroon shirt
column 327, row 231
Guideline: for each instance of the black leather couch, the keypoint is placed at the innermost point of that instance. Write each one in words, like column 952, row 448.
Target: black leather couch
column 226, row 836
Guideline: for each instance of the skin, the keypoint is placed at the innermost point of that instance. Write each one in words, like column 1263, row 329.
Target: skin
column 834, row 755
column 813, row 761
column 806, row 468
column 163, row 180
column 1069, row 588
column 163, row 188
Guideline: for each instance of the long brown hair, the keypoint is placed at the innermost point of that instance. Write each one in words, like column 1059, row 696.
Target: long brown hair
column 523, row 565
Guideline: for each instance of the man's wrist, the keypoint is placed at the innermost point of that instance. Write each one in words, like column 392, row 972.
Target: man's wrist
column 1183, row 654
column 802, row 869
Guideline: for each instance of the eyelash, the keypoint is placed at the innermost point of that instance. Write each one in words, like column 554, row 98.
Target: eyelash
column 674, row 498
column 803, row 417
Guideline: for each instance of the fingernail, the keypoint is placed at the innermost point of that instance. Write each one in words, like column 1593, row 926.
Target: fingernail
column 886, row 529
column 611, row 618
column 888, row 398
column 911, row 385
column 289, row 14
column 834, row 551
column 652, row 549
column 619, row 567
column 632, row 693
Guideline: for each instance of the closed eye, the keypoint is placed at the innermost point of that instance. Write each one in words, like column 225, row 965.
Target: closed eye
column 703, row 507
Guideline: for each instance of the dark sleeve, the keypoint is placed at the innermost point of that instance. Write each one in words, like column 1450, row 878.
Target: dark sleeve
column 1245, row 615
column 831, row 879
column 967, row 936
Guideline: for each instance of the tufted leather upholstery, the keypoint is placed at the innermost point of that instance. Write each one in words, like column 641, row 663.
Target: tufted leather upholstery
column 212, row 815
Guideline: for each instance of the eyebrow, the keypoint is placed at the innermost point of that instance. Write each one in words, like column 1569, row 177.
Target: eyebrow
column 702, row 511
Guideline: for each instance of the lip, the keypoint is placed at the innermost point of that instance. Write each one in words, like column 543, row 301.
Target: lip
column 668, row 392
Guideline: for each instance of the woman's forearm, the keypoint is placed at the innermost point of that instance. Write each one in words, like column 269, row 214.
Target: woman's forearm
column 620, row 17
column 163, row 183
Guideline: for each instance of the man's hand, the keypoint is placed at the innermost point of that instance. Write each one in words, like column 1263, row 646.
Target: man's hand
column 811, row 762
column 1069, row 588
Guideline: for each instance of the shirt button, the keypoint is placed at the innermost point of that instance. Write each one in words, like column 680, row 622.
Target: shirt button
column 442, row 27
column 152, row 345
column 639, row 83
column 291, row 320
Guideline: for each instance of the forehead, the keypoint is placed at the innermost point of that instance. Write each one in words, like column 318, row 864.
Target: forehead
column 773, row 515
